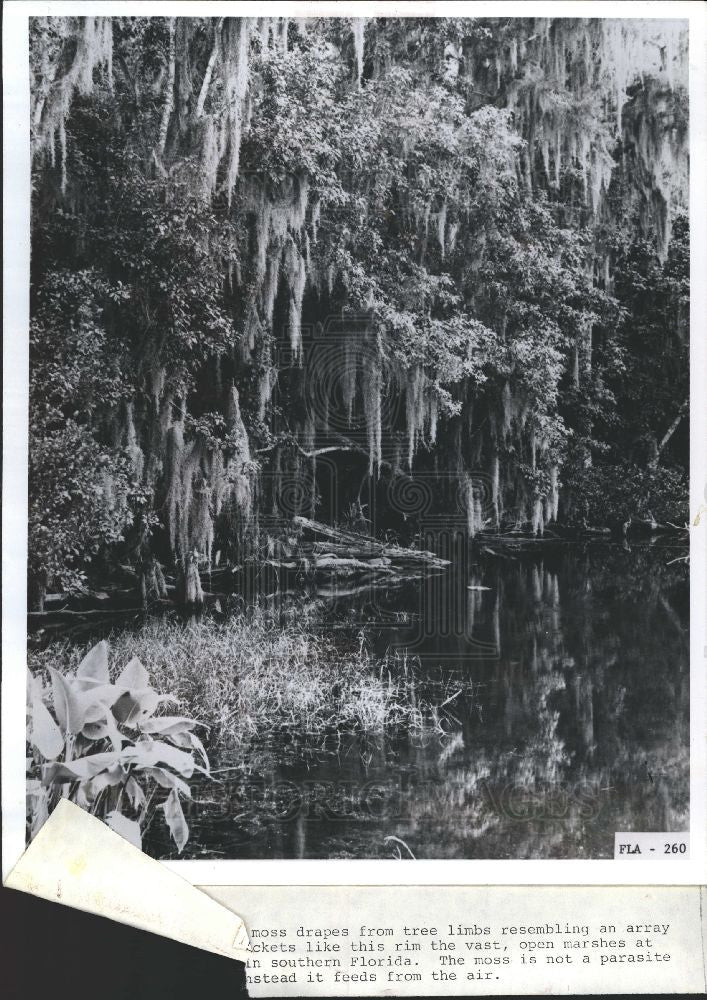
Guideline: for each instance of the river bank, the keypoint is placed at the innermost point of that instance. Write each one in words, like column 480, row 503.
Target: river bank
column 258, row 672
column 512, row 706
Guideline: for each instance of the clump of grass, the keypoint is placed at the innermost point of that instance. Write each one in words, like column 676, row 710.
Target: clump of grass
column 249, row 675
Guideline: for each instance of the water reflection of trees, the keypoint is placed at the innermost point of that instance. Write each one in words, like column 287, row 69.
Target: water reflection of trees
column 577, row 729
column 586, row 716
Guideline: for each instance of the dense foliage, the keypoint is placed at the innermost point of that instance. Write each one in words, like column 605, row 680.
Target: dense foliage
column 266, row 249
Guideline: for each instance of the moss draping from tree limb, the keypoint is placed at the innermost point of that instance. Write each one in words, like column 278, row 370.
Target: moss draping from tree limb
column 458, row 195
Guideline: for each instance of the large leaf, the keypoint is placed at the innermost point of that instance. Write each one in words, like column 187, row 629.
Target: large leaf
column 127, row 828
column 187, row 740
column 133, row 675
column 45, row 735
column 104, row 728
column 180, row 740
column 175, row 820
column 135, row 706
column 94, row 665
column 106, row 779
column 154, row 752
column 38, row 803
column 190, row 741
column 98, row 700
column 142, row 754
column 80, row 769
column 69, row 705
column 81, row 796
column 35, row 688
column 166, row 779
column 75, row 706
column 168, row 725
column 135, row 793
column 199, row 746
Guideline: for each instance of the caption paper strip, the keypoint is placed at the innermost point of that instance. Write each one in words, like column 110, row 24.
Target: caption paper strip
column 471, row 940
column 77, row 860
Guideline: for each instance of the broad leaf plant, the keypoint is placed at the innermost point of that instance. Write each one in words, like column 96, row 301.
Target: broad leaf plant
column 103, row 745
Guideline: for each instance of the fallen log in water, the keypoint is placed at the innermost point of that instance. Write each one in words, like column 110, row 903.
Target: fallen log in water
column 349, row 567
column 350, row 550
column 348, row 542
column 328, row 565
column 324, row 551
column 321, row 556
column 335, row 534
column 649, row 525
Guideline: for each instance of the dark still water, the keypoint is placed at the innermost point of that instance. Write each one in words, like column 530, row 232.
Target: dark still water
column 566, row 682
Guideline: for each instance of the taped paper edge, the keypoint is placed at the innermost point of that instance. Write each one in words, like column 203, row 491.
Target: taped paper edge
column 75, row 859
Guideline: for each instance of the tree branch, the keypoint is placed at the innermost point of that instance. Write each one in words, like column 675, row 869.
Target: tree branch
column 206, row 82
column 344, row 445
column 169, row 102
column 670, row 431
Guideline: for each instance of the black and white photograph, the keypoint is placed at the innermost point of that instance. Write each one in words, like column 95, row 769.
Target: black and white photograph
column 359, row 434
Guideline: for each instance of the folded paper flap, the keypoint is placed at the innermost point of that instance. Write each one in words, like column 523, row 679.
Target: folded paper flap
column 77, row 860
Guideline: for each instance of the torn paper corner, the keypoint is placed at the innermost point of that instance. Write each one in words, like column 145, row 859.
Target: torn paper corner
column 77, row 860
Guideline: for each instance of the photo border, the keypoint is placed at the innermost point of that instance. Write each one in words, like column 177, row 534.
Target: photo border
column 16, row 161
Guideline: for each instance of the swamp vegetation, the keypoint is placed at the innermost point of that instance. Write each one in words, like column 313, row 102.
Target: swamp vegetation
column 269, row 252
column 326, row 310
column 528, row 717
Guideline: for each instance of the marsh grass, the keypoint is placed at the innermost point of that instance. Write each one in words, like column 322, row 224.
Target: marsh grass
column 250, row 675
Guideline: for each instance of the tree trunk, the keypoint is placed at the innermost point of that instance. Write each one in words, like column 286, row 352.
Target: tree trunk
column 192, row 594
column 152, row 582
column 655, row 457
column 37, row 590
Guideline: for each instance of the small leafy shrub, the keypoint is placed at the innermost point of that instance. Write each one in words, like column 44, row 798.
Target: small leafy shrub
column 80, row 495
column 101, row 745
